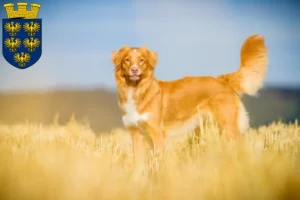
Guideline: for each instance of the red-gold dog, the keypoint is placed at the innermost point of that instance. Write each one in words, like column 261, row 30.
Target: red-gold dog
column 156, row 109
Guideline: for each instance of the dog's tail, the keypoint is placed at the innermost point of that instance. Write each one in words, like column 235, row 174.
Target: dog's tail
column 250, row 76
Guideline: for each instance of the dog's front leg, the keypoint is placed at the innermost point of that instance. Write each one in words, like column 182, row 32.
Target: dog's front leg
column 139, row 149
column 155, row 133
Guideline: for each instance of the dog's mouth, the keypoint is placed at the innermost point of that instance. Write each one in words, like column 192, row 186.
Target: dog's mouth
column 135, row 77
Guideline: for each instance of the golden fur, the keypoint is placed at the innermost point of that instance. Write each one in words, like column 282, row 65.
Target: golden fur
column 156, row 109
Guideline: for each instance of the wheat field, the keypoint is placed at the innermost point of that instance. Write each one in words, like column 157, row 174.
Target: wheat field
column 70, row 162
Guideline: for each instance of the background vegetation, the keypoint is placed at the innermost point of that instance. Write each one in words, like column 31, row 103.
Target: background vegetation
column 100, row 109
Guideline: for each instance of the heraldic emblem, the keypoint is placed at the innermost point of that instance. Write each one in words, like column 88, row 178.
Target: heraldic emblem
column 22, row 35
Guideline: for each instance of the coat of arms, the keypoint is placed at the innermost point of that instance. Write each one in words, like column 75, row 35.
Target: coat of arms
column 22, row 35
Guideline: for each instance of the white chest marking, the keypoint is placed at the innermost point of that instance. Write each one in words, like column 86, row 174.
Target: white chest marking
column 132, row 117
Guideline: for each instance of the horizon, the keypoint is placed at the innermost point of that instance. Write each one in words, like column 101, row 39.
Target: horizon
column 101, row 88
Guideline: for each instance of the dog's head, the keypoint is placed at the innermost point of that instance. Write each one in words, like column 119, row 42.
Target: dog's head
column 134, row 64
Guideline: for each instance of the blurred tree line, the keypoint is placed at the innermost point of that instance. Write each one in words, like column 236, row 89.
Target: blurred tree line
column 99, row 108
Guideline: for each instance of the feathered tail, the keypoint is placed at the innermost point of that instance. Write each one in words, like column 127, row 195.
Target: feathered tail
column 250, row 76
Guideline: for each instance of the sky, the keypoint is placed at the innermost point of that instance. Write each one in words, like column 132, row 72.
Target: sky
column 191, row 37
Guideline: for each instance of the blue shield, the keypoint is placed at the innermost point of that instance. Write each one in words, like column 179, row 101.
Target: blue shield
column 22, row 41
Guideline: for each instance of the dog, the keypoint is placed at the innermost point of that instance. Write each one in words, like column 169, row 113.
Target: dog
column 154, row 108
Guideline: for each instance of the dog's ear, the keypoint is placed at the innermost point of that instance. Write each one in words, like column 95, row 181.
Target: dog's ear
column 118, row 55
column 152, row 56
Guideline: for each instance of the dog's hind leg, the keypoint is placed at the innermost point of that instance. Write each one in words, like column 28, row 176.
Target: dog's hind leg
column 225, row 109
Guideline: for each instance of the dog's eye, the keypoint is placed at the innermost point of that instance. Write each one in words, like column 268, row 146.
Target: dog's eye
column 127, row 59
column 142, row 60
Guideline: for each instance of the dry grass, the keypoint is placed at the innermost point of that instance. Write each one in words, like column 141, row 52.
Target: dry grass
column 70, row 162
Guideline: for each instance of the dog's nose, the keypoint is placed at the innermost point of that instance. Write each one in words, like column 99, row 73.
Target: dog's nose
column 134, row 70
